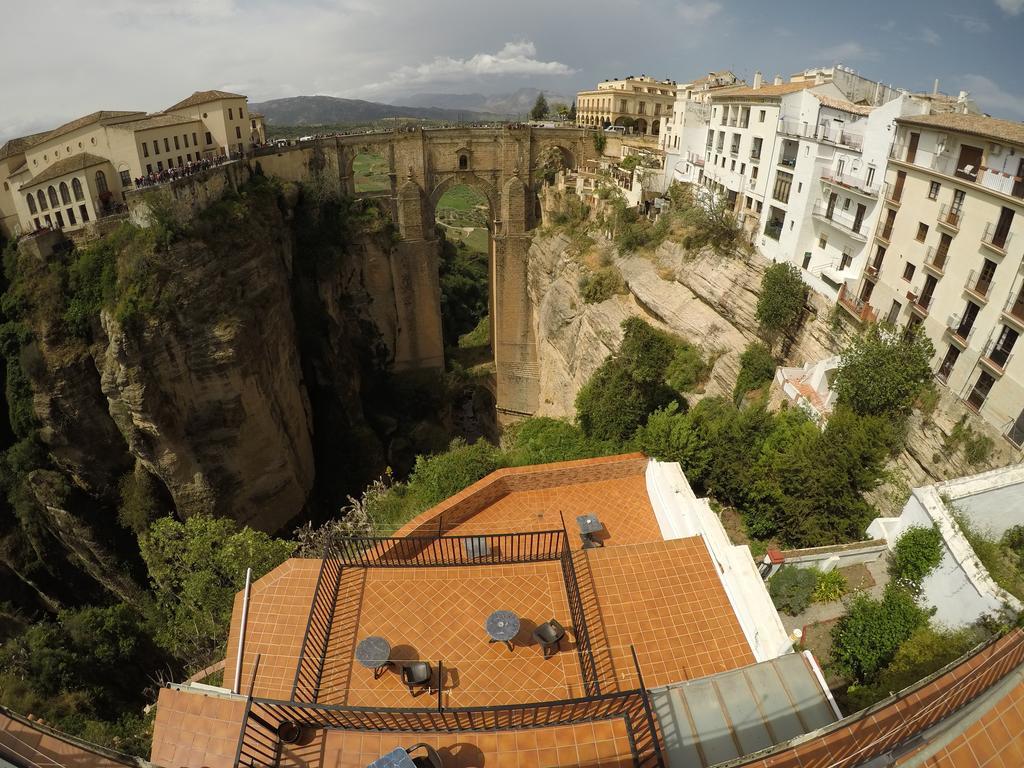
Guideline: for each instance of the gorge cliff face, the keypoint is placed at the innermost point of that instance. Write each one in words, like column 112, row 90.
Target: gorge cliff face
column 710, row 299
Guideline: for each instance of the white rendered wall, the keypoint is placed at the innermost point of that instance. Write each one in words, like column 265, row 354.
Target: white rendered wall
column 681, row 514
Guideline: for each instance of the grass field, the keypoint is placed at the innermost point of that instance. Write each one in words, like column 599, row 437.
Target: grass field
column 370, row 173
column 464, row 206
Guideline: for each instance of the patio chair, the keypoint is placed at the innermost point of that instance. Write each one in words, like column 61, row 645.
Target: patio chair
column 417, row 674
column 548, row 635
column 428, row 760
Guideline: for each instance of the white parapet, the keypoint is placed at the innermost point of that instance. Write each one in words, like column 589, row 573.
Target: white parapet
column 681, row 514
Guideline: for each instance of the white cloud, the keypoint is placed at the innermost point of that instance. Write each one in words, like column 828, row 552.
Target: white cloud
column 1012, row 7
column 848, row 51
column 698, row 12
column 971, row 23
column 991, row 97
column 930, row 36
column 515, row 58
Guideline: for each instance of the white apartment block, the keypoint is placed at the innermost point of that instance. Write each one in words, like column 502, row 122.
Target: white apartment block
column 949, row 253
column 684, row 132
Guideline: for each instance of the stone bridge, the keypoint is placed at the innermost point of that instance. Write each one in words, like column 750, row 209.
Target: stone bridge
column 501, row 163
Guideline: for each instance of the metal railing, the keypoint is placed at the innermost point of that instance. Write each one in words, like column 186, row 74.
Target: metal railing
column 998, row 356
column 854, row 183
column 447, row 551
column 935, row 257
column 588, row 667
column 1015, row 305
column 994, row 238
column 310, row 668
column 891, row 194
column 857, row 307
column 978, row 285
column 841, row 219
column 949, row 217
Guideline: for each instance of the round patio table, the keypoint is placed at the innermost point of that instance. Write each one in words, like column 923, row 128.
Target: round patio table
column 374, row 653
column 502, row 626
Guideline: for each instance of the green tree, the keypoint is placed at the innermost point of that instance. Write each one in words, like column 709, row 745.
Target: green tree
column 757, row 368
column 572, row 112
column 780, row 305
column 540, row 108
column 867, row 638
column 541, row 440
column 791, row 589
column 463, row 279
column 918, row 552
column 883, row 370
column 196, row 567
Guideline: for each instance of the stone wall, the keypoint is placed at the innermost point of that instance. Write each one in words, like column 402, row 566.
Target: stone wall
column 185, row 198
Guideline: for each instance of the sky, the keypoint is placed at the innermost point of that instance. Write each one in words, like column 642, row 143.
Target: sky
column 71, row 58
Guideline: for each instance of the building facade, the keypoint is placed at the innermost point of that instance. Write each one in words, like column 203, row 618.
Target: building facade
column 641, row 103
column 684, row 133
column 77, row 173
column 944, row 256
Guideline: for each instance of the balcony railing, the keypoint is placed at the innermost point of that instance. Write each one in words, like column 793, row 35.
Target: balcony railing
column 961, row 330
column 773, row 229
column 1014, row 309
column 935, row 258
column 852, row 183
column 920, row 303
column 859, row 308
column 995, row 239
column 841, row 219
column 893, row 194
column 997, row 357
column 978, row 284
column 789, row 161
column 821, row 133
column 950, row 217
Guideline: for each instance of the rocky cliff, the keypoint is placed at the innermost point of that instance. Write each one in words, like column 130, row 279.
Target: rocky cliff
column 709, row 299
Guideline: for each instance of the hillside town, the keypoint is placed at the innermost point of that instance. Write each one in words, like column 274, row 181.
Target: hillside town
column 688, row 432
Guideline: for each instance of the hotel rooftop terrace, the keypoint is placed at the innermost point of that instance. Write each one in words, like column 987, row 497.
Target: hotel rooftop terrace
column 672, row 655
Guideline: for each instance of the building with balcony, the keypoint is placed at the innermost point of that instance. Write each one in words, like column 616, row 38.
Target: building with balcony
column 78, row 172
column 946, row 255
column 684, row 132
column 641, row 104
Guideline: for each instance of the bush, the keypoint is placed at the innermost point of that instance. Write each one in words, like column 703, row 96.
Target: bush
column 791, row 589
column 687, row 368
column 437, row 477
column 925, row 652
column 917, row 553
column 757, row 368
column 541, row 440
column 601, row 285
column 780, row 305
column 867, row 638
column 831, row 586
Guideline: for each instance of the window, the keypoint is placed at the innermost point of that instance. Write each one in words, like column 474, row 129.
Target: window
column 156, row 147
column 845, row 261
column 195, row 141
column 167, row 145
column 871, row 175
column 189, row 157
column 231, row 115
column 823, row 241
column 42, row 200
column 894, row 312
column 933, row 190
column 753, row 172
column 170, row 162
column 54, row 202
column 981, row 389
column 760, row 116
column 922, row 232
column 807, row 260
column 177, row 146
column 126, row 179
column 31, row 204
column 908, row 271
column 760, row 205
column 209, row 138
column 101, row 182
column 179, row 161
column 799, row 186
column 463, row 162
column 85, row 213
column 732, row 167
column 71, row 217
column 76, row 189
column 846, row 204
column 743, row 168
column 159, row 165
column 145, row 149
column 65, row 195
column 238, row 132
column 36, row 220
column 783, row 184
column 149, row 168
column 750, row 202
column 185, row 137
column 60, row 219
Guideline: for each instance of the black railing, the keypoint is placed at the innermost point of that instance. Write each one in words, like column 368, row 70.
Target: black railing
column 265, row 718
column 588, row 667
column 310, row 668
column 447, row 551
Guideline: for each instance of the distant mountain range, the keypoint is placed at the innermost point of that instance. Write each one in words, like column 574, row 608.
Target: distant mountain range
column 330, row 110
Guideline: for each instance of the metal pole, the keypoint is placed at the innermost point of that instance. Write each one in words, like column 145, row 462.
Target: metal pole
column 241, row 631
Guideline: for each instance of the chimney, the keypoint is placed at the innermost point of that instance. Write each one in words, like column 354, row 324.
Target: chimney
column 777, row 80
column 935, row 90
column 757, row 80
column 819, row 77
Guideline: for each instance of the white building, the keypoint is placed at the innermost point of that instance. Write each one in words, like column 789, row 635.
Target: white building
column 685, row 130
column 960, row 589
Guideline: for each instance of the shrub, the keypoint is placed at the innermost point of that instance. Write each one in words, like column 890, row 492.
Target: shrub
column 925, row 652
column 601, row 285
column 978, row 449
column 757, row 368
column 791, row 589
column 437, row 477
column 541, row 440
column 867, row 638
column 780, row 305
column 831, row 586
column 917, row 553
column 687, row 368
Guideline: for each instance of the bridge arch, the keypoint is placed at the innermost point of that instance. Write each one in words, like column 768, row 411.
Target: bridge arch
column 468, row 179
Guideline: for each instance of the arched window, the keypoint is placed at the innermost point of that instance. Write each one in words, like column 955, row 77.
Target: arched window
column 463, row 162
column 65, row 196
column 31, row 204
column 42, row 200
column 53, row 196
column 101, row 182
column 76, row 188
